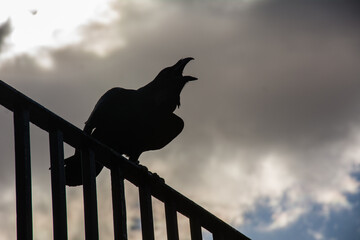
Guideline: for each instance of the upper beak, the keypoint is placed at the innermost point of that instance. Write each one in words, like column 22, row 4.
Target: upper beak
column 180, row 65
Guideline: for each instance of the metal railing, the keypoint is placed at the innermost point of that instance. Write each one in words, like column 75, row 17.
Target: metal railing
column 25, row 111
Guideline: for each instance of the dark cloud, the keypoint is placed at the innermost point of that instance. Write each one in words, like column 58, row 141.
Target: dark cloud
column 5, row 30
column 288, row 75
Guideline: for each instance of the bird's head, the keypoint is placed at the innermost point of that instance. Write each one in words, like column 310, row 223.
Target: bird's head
column 173, row 76
column 168, row 84
column 178, row 69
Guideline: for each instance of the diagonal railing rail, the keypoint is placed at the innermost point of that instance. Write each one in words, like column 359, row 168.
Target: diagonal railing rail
column 25, row 111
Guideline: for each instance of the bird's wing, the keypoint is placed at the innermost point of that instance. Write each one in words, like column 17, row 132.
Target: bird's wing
column 161, row 131
column 112, row 106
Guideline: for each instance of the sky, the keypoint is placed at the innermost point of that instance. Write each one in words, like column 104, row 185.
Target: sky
column 271, row 142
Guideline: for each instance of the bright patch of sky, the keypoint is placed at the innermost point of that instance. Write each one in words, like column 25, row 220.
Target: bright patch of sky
column 37, row 26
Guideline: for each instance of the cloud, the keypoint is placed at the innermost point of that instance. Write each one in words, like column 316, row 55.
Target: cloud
column 283, row 218
column 316, row 235
column 5, row 30
column 273, row 120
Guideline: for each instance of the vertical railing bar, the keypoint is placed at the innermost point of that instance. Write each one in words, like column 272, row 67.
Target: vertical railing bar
column 89, row 191
column 195, row 229
column 118, row 201
column 58, row 185
column 218, row 235
column 147, row 222
column 23, row 174
column 171, row 221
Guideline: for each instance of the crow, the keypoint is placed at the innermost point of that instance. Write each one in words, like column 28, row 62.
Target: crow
column 133, row 121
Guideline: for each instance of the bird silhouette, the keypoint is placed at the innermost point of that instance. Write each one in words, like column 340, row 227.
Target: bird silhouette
column 133, row 121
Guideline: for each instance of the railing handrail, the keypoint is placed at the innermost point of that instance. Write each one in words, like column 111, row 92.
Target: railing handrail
column 48, row 121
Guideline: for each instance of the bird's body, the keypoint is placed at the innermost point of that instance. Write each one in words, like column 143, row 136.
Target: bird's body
column 134, row 121
column 137, row 128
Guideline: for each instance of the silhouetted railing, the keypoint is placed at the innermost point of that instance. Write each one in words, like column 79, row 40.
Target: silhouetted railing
column 25, row 111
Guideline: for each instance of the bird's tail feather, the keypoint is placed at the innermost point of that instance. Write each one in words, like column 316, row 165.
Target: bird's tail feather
column 73, row 174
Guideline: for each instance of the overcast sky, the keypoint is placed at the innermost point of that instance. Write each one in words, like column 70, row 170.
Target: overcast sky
column 271, row 142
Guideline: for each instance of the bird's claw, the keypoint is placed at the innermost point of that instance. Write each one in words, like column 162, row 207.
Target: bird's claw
column 143, row 168
column 157, row 177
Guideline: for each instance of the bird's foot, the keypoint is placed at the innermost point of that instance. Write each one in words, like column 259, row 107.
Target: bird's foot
column 143, row 168
column 134, row 159
column 157, row 177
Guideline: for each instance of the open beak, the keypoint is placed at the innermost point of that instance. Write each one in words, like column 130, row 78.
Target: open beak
column 179, row 68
